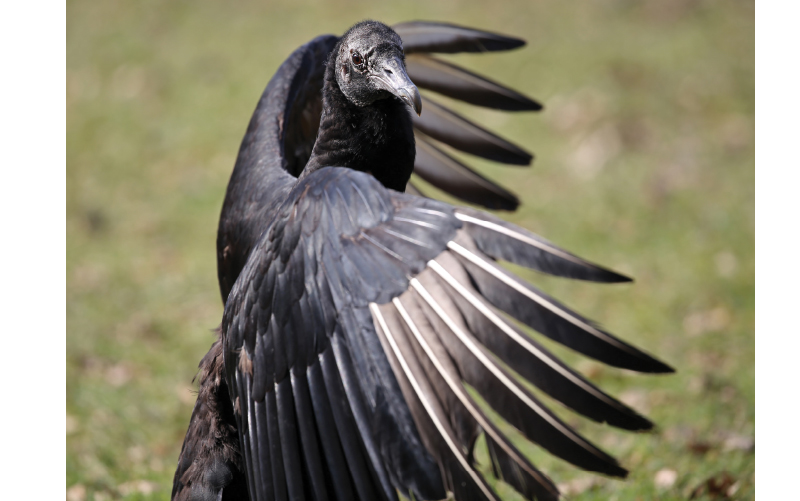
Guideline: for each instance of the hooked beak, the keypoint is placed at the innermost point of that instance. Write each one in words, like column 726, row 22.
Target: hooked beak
column 392, row 77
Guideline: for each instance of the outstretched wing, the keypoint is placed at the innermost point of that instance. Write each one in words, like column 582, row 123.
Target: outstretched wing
column 438, row 125
column 359, row 321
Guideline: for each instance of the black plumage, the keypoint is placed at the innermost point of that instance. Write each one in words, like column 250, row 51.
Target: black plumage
column 355, row 314
column 361, row 127
column 211, row 458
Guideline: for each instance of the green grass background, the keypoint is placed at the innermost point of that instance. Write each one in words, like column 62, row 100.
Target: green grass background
column 644, row 162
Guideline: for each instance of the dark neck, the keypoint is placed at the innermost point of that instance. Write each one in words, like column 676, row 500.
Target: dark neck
column 378, row 139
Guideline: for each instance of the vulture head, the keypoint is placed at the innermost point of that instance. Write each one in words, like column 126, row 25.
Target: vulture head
column 370, row 65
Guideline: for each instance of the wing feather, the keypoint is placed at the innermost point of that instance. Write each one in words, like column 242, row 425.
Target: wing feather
column 290, row 447
column 312, row 455
column 266, row 417
column 454, row 130
column 423, row 36
column 443, row 440
column 448, row 174
column 515, row 467
column 547, row 316
column 453, row 81
column 360, row 414
column 512, row 401
column 346, row 429
column 331, row 446
column 528, row 358
column 259, row 470
column 502, row 240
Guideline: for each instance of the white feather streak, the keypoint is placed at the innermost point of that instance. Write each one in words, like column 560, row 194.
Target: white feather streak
column 494, row 369
column 376, row 313
column 513, row 334
column 462, row 395
column 533, row 296
column 519, row 236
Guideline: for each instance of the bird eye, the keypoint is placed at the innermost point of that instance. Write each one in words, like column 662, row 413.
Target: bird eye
column 357, row 60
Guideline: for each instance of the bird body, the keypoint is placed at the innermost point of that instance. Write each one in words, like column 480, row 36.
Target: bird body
column 356, row 315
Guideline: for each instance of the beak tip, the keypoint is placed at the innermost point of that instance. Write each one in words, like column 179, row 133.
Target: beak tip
column 395, row 80
column 413, row 99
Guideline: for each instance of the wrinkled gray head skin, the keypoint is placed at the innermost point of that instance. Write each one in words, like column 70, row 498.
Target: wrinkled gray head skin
column 370, row 65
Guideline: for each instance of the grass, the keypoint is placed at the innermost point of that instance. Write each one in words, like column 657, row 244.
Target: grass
column 645, row 163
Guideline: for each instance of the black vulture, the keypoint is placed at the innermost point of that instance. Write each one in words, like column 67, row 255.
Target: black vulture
column 360, row 320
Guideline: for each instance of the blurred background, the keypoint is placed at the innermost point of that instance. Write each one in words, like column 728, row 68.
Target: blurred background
column 644, row 163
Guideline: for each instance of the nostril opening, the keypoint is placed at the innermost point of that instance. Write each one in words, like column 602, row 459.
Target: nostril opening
column 388, row 71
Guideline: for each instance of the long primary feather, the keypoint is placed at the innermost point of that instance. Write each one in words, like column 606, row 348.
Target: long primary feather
column 452, row 81
column 425, row 36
